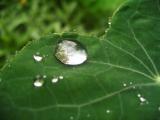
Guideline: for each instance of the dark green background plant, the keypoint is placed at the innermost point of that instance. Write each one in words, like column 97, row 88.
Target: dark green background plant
column 25, row 20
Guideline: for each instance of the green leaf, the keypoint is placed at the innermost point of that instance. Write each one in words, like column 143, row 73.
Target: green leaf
column 119, row 81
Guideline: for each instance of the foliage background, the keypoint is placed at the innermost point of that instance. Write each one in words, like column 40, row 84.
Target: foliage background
column 24, row 20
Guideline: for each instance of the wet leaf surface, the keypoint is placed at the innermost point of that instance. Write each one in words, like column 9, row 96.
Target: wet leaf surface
column 119, row 81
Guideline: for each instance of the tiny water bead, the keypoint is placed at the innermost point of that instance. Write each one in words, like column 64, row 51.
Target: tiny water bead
column 37, row 58
column 56, row 79
column 61, row 77
column 124, row 84
column 71, row 53
column 108, row 111
column 44, row 76
column 142, row 99
column 39, row 81
column 71, row 118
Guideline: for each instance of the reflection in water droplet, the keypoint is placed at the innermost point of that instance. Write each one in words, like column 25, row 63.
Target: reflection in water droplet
column 71, row 53
column 38, row 82
column 54, row 80
column 108, row 111
column 37, row 58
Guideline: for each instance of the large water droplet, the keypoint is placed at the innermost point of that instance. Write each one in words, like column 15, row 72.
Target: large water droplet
column 71, row 53
column 38, row 82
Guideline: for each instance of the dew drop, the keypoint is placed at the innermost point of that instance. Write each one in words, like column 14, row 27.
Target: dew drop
column 139, row 95
column 54, row 80
column 142, row 99
column 130, row 83
column 159, row 108
column 108, row 111
column 134, row 87
column 60, row 77
column 124, row 84
column 71, row 117
column 37, row 58
column 39, row 82
column 44, row 76
column 71, row 53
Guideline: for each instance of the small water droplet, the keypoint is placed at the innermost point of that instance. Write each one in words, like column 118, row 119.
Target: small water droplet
column 44, row 76
column 71, row 53
column 159, row 108
column 37, row 58
column 108, row 111
column 134, row 87
column 54, row 80
column 60, row 77
column 37, row 53
column 142, row 99
column 71, row 117
column 130, row 83
column 38, row 82
column 124, row 84
column 139, row 95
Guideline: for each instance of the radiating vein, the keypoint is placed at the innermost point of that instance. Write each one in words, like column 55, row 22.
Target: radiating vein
column 133, row 56
column 122, row 67
column 143, row 48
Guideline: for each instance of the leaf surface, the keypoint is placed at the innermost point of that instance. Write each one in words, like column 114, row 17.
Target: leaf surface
column 119, row 81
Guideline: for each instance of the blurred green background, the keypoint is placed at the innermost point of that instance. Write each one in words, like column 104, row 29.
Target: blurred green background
column 25, row 20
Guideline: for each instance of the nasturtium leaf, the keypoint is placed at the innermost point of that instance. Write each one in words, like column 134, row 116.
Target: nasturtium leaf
column 119, row 81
